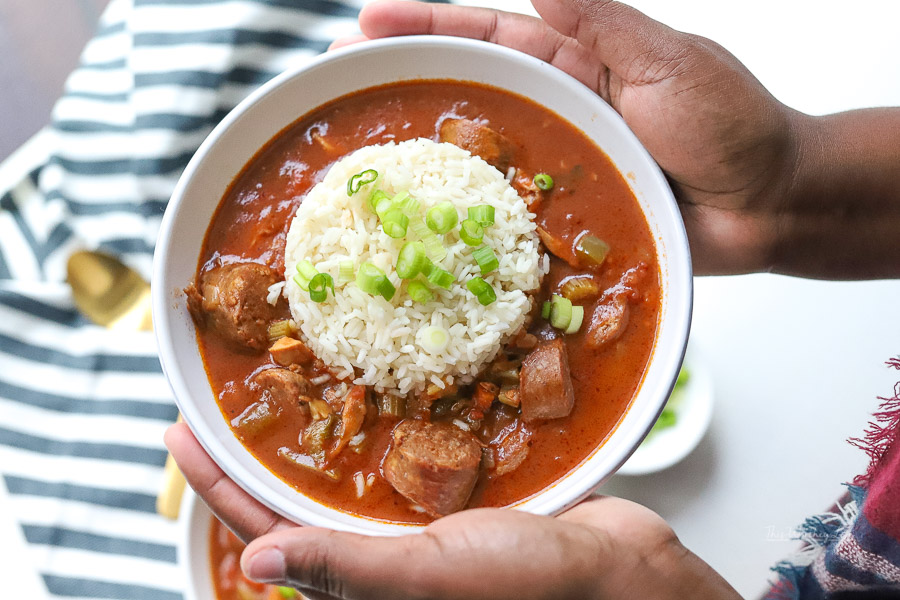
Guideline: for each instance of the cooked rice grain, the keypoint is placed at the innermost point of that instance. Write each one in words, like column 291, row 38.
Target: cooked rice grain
column 374, row 341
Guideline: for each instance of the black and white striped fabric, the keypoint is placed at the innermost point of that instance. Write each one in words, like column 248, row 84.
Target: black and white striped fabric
column 82, row 409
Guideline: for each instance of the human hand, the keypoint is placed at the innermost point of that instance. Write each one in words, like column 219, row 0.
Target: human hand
column 726, row 145
column 603, row 548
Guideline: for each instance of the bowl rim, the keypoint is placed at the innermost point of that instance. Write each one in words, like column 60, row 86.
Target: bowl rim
column 591, row 473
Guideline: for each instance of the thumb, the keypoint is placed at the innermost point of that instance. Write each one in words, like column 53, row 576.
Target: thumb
column 338, row 564
column 626, row 40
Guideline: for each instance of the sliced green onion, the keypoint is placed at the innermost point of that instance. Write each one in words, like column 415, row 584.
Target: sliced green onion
column 442, row 217
column 372, row 280
column 471, row 232
column 412, row 260
column 355, row 183
column 591, row 249
column 482, row 290
column 577, row 319
column 560, row 312
column 383, row 205
column 406, row 203
column 543, row 181
column 318, row 287
column 305, row 272
column 483, row 214
column 345, row 271
column 374, row 198
column 419, row 292
column 394, row 223
column 486, row 259
column 434, row 339
column 440, row 277
column 433, row 246
column 545, row 310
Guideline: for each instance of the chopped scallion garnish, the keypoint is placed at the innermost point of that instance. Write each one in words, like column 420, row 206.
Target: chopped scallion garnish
column 372, row 280
column 560, row 312
column 355, row 183
column 374, row 198
column 406, row 203
column 433, row 246
column 419, row 292
column 471, row 232
column 412, row 260
column 318, row 287
column 577, row 319
column 305, row 272
column 543, row 181
column 394, row 223
column 434, row 339
column 442, row 217
column 486, row 259
column 483, row 214
column 383, row 205
column 545, row 310
column 440, row 277
column 345, row 271
column 482, row 290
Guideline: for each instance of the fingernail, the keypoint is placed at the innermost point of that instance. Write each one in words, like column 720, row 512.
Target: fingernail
column 266, row 566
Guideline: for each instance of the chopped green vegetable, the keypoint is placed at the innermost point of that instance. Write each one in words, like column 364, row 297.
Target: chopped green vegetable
column 394, row 223
column 318, row 287
column 280, row 329
column 305, row 272
column 355, row 183
column 591, row 249
column 545, row 310
column 406, row 203
column 577, row 319
column 440, row 277
column 471, row 232
column 419, row 292
column 372, row 280
column 392, row 405
column 560, row 312
column 374, row 198
column 383, row 204
column 543, row 181
column 483, row 214
column 482, row 290
column 307, row 462
column 434, row 339
column 345, row 271
column 412, row 260
column 286, row 592
column 433, row 246
column 486, row 259
column 442, row 217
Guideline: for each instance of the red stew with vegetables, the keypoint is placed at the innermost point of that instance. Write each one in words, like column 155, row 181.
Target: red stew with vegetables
column 545, row 404
column 228, row 580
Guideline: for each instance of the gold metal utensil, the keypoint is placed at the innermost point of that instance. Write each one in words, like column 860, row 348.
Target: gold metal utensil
column 113, row 295
column 108, row 292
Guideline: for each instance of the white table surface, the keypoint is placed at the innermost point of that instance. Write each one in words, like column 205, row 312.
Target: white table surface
column 797, row 364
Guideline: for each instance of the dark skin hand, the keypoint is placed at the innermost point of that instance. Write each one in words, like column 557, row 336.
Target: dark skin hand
column 604, row 548
column 761, row 187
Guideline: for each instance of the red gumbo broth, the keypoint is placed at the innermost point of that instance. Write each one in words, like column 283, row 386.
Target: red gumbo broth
column 604, row 360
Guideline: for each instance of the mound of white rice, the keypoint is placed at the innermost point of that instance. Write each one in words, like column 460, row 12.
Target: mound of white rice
column 375, row 341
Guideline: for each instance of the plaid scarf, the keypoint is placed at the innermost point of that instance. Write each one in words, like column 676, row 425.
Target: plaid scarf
column 853, row 550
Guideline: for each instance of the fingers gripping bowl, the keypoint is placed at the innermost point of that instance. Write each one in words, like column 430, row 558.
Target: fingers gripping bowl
column 381, row 414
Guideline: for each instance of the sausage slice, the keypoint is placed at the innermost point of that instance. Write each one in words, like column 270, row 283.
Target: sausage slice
column 284, row 386
column 545, row 385
column 231, row 300
column 480, row 140
column 434, row 465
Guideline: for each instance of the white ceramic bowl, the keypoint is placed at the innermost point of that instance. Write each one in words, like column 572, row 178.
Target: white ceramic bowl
column 292, row 94
column 195, row 522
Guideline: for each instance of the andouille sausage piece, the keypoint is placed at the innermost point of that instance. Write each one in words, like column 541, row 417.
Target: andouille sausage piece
column 284, row 385
column 545, row 385
column 480, row 140
column 434, row 465
column 231, row 300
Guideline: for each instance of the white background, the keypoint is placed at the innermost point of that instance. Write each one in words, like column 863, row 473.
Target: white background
column 797, row 364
